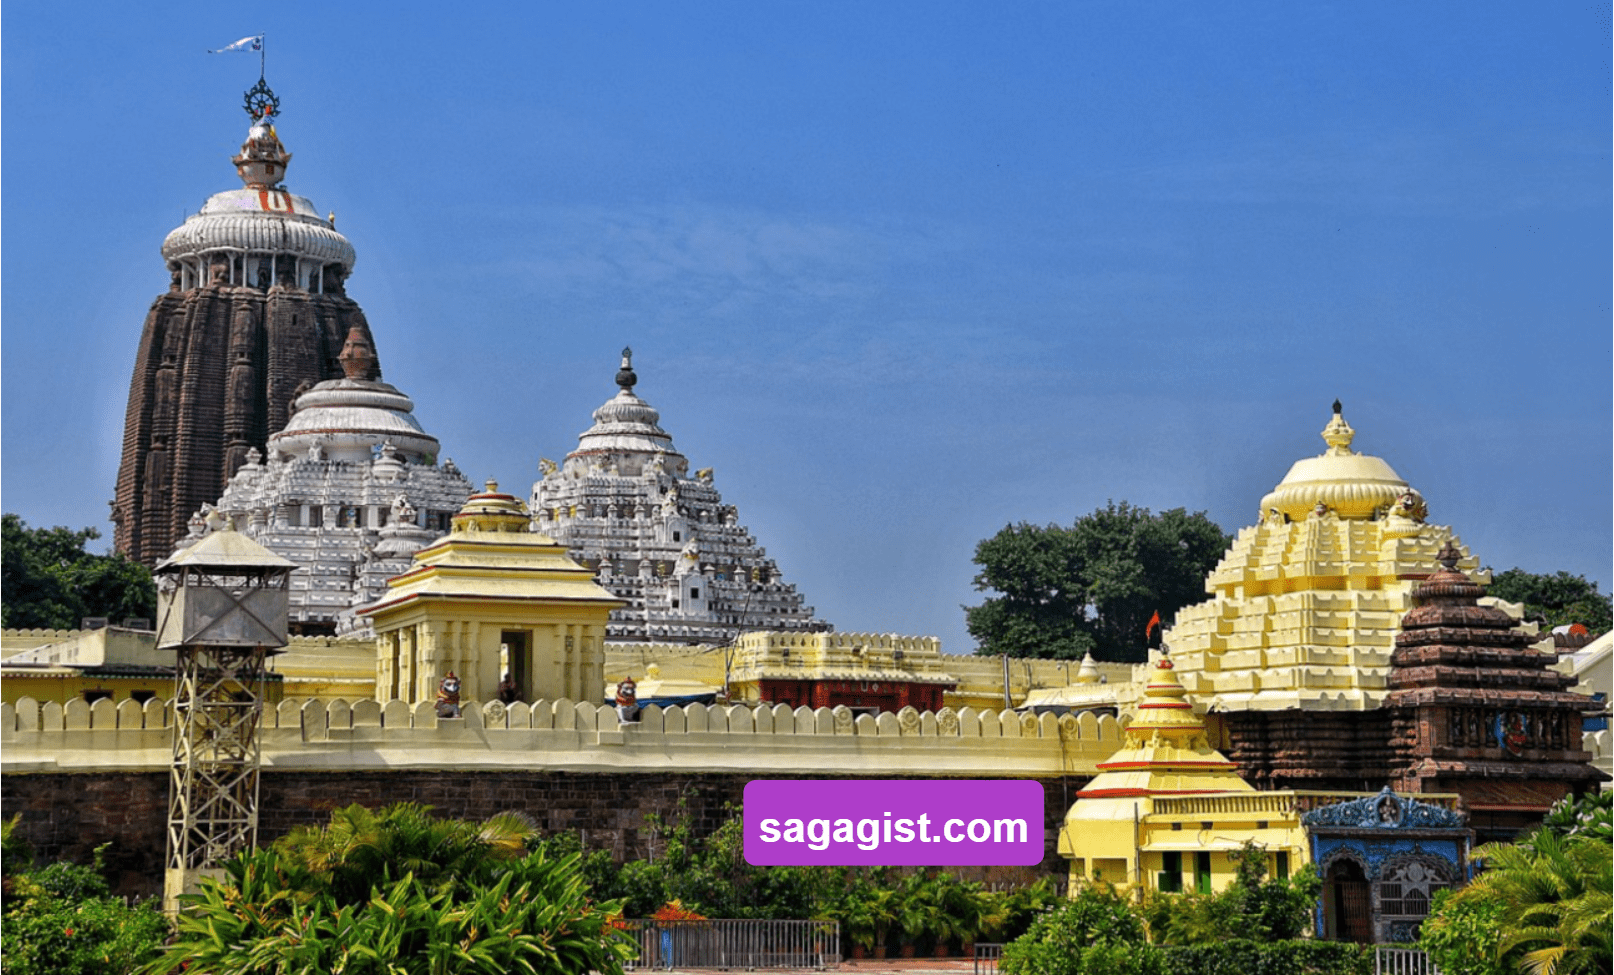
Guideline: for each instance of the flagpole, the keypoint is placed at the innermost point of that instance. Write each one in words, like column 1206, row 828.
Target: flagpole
column 263, row 44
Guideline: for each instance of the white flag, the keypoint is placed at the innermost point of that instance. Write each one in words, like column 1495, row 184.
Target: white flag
column 253, row 43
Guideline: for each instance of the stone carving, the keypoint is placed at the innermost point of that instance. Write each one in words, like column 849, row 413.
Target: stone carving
column 704, row 475
column 1384, row 811
column 493, row 714
column 843, row 720
column 908, row 721
column 402, row 511
column 947, row 722
column 448, row 696
column 547, row 466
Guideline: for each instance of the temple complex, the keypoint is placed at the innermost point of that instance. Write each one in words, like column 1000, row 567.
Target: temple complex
column 350, row 490
column 624, row 504
column 256, row 309
column 1292, row 654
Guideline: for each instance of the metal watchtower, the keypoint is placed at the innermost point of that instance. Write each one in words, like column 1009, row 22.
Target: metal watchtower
column 222, row 609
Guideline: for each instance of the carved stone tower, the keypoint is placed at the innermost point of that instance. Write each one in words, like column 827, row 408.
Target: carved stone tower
column 255, row 310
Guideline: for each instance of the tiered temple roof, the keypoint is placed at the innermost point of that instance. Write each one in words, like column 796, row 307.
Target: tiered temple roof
column 1306, row 603
column 1477, row 710
column 624, row 504
column 350, row 491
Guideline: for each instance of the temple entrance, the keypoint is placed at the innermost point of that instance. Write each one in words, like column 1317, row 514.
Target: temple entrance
column 1347, row 903
column 517, row 662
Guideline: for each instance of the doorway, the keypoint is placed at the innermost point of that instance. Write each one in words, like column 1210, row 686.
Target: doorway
column 517, row 653
column 1347, row 903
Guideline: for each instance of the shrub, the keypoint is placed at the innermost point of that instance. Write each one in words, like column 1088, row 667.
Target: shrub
column 1461, row 935
column 61, row 920
column 1243, row 957
column 443, row 896
column 1059, row 942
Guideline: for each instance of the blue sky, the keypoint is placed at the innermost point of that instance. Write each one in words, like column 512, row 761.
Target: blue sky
column 902, row 273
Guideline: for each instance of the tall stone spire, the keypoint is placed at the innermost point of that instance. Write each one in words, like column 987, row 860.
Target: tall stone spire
column 256, row 309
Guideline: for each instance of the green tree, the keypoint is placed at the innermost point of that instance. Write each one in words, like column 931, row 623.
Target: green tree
column 1092, row 586
column 48, row 580
column 1555, row 600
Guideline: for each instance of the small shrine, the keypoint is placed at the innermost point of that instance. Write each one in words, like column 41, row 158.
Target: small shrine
column 1478, row 711
column 495, row 604
column 1168, row 811
column 1382, row 859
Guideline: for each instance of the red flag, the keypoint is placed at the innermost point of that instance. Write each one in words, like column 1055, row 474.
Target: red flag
column 1154, row 621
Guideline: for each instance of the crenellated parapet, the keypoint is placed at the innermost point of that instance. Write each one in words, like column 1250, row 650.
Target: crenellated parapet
column 579, row 736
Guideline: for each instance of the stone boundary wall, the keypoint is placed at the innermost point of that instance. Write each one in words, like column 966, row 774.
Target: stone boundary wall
column 579, row 736
column 65, row 816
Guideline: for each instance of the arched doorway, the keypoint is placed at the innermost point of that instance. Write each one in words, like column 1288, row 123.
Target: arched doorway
column 1347, row 903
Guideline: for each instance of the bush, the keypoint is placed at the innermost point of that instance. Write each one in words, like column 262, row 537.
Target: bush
column 61, row 920
column 98, row 936
column 441, row 896
column 1461, row 936
column 1253, row 906
column 1241, row 957
column 1061, row 941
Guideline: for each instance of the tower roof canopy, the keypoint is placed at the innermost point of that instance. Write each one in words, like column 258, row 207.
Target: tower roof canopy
column 626, row 423
column 262, row 217
column 1352, row 485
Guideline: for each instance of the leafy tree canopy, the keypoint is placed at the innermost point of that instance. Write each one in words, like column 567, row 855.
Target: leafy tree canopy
column 1555, row 600
column 1092, row 586
column 48, row 580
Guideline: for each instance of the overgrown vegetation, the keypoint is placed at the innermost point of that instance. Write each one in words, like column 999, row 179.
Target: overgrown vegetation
column 63, row 920
column 1542, row 906
column 397, row 892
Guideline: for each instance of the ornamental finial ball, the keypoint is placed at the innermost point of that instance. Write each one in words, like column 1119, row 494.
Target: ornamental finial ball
column 625, row 377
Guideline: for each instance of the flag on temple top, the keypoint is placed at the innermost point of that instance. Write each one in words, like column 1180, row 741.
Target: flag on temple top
column 253, row 43
column 1154, row 621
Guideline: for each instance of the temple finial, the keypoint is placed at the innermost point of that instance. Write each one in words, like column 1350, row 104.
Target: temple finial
column 357, row 358
column 1338, row 409
column 625, row 376
column 1338, row 434
column 1448, row 555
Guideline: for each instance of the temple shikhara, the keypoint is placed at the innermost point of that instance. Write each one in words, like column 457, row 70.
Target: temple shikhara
column 256, row 310
column 1346, row 696
column 625, row 503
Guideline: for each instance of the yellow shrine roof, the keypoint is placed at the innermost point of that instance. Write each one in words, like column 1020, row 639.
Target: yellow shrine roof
column 491, row 554
column 1166, row 750
column 1306, row 603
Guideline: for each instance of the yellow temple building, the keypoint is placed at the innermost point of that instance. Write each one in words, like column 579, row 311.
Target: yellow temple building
column 1306, row 603
column 488, row 599
column 1131, row 826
